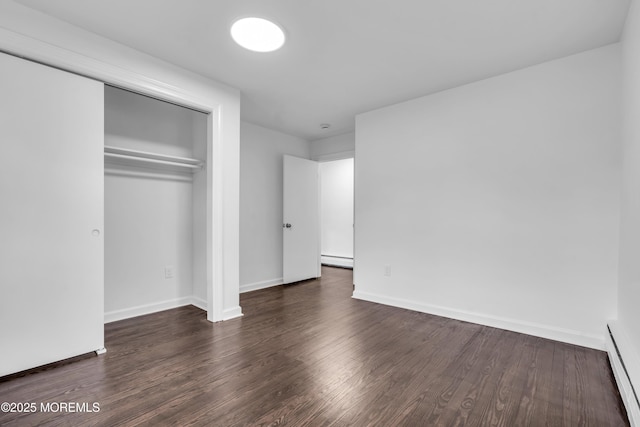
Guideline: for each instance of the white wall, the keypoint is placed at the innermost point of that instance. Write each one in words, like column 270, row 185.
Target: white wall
column 149, row 219
column 142, row 123
column 336, row 209
column 497, row 202
column 199, row 212
column 333, row 148
column 261, row 163
column 37, row 36
column 627, row 330
column 148, row 226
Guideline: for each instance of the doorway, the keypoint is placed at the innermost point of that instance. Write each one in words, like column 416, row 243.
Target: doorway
column 336, row 212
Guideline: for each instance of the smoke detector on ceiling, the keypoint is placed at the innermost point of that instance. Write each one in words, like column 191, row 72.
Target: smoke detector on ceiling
column 325, row 126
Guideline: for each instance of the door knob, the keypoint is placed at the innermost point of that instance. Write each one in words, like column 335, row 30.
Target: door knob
column 287, row 225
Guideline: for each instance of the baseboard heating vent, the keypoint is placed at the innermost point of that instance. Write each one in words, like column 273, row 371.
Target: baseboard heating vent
column 337, row 261
column 628, row 392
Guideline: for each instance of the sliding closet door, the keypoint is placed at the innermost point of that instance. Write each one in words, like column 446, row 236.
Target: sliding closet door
column 51, row 215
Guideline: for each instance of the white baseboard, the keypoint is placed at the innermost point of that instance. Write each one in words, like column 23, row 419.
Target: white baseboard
column 141, row 310
column 199, row 302
column 232, row 313
column 261, row 285
column 336, row 261
column 538, row 330
column 625, row 364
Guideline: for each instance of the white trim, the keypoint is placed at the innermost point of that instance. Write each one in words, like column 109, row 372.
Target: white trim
column 337, row 261
column 141, row 310
column 232, row 313
column 50, row 54
column 215, row 218
column 529, row 328
column 65, row 59
column 342, row 155
column 625, row 363
column 261, row 285
column 199, row 303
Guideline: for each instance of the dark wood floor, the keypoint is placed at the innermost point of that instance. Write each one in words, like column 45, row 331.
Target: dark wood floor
column 309, row 355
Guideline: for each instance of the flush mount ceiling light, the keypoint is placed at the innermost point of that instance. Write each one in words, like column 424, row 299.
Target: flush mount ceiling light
column 257, row 34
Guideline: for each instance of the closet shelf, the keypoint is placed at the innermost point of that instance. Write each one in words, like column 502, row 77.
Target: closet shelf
column 148, row 157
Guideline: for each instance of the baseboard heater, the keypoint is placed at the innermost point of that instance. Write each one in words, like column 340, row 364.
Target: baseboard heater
column 621, row 373
column 336, row 261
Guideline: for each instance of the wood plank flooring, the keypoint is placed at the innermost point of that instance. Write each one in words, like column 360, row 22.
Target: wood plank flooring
column 310, row 355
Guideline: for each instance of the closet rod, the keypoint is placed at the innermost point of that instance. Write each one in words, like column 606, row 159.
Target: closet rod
column 144, row 159
column 145, row 156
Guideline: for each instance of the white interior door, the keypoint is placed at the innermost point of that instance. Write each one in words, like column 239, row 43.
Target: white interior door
column 51, row 215
column 301, row 222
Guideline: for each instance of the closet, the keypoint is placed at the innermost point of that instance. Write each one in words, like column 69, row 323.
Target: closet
column 155, row 204
column 103, row 214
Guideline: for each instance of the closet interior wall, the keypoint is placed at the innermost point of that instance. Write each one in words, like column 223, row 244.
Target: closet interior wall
column 155, row 222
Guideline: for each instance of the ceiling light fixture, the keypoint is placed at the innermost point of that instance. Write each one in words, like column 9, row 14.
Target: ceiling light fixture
column 257, row 34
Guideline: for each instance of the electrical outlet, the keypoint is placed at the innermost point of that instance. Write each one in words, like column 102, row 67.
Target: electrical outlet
column 169, row 272
column 387, row 271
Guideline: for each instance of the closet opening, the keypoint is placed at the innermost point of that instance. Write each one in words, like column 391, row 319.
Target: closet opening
column 155, row 214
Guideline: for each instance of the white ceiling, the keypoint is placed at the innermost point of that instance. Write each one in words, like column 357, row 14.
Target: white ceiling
column 345, row 57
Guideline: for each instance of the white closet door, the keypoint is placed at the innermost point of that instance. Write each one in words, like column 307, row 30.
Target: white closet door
column 51, row 215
